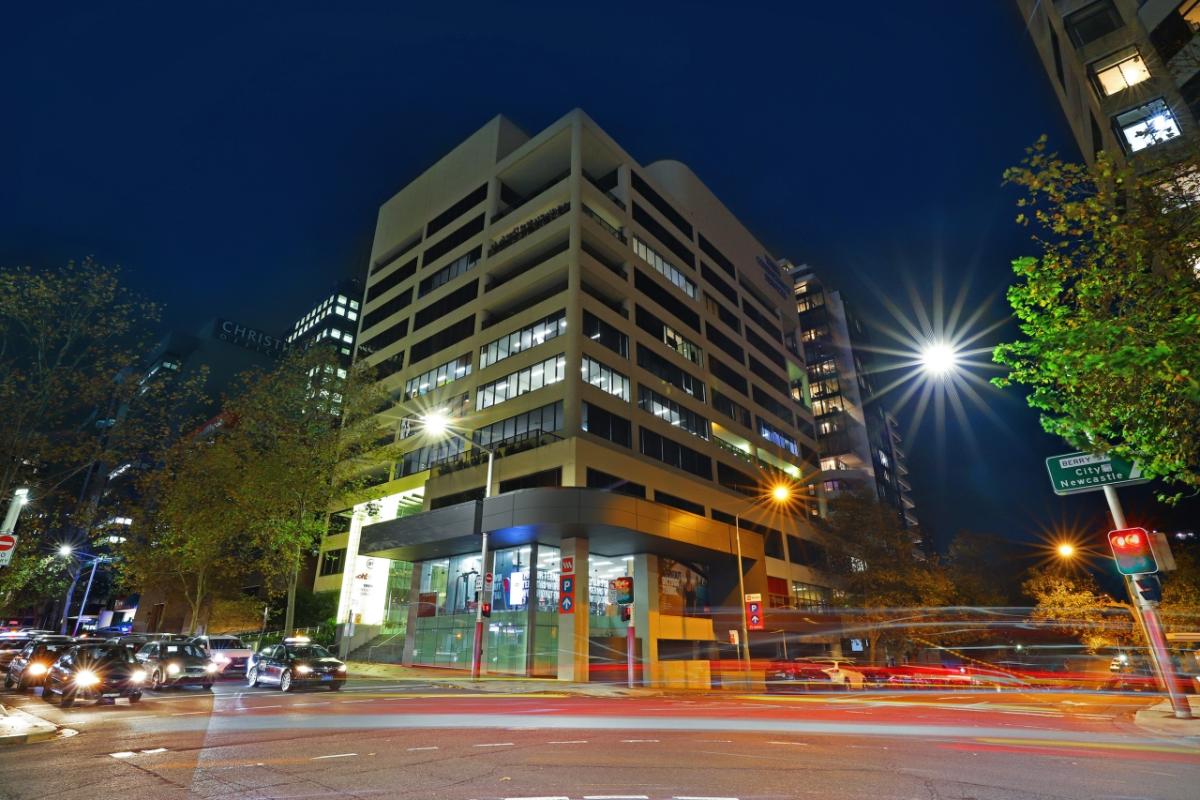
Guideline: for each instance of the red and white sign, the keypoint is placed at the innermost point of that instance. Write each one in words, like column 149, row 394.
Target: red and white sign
column 568, row 564
column 755, row 618
column 8, row 544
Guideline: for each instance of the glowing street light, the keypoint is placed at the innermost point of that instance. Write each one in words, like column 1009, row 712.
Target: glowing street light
column 939, row 358
column 780, row 493
column 435, row 424
column 65, row 550
column 1065, row 550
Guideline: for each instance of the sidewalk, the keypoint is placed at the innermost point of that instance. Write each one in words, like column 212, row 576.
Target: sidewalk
column 456, row 679
column 1158, row 719
column 17, row 727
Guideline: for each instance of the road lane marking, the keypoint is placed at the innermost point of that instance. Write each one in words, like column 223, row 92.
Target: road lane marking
column 697, row 797
column 616, row 797
column 638, row 741
column 798, row 744
column 570, row 741
column 495, row 744
column 123, row 754
column 413, row 749
column 154, row 751
column 336, row 755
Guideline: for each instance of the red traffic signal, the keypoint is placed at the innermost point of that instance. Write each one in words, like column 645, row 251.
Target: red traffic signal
column 1132, row 551
column 486, row 610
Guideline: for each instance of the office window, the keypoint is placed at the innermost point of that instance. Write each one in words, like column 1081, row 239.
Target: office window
column 726, row 343
column 530, row 379
column 657, row 365
column 606, row 425
column 1118, row 73
column 333, row 562
column 723, row 313
column 777, row 408
column 675, row 501
column 611, row 483
column 437, row 310
column 600, row 331
column 668, row 335
column 459, row 266
column 771, row 378
column 524, row 339
column 735, row 411
column 451, row 336
column 531, row 424
column 737, row 481
column 666, row 409
column 605, row 378
column 674, row 454
column 1147, row 125
column 777, row 437
column 668, row 300
column 437, row 377
column 1089, row 24
column 664, row 267
column 534, row 480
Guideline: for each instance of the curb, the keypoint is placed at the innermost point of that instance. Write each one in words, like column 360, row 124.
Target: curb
column 449, row 680
column 19, row 727
column 1159, row 720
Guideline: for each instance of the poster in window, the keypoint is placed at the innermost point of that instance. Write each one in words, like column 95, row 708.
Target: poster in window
column 682, row 592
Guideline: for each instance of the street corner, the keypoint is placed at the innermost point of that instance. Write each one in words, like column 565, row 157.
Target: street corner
column 1160, row 720
column 19, row 727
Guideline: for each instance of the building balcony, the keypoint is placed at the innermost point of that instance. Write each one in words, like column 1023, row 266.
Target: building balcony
column 528, row 227
column 475, row 456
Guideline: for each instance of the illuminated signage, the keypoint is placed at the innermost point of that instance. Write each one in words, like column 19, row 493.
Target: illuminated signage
column 249, row 338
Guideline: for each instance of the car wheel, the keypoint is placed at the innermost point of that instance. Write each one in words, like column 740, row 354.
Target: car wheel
column 207, row 687
column 135, row 697
column 252, row 678
column 68, row 699
column 8, row 682
column 335, row 687
column 285, row 681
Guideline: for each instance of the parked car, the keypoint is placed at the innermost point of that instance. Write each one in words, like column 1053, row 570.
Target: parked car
column 130, row 641
column 28, row 668
column 809, row 674
column 296, row 662
column 229, row 653
column 99, row 670
column 10, row 645
column 174, row 664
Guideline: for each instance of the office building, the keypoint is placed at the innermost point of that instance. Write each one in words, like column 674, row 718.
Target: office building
column 626, row 348
column 332, row 322
column 858, row 439
column 1126, row 72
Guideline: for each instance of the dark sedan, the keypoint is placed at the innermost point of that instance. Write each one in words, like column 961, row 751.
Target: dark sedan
column 296, row 662
column 94, row 671
column 173, row 664
column 28, row 667
column 10, row 645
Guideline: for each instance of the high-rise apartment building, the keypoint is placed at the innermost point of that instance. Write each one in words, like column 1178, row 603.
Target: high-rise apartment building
column 1127, row 72
column 332, row 322
column 858, row 439
column 627, row 349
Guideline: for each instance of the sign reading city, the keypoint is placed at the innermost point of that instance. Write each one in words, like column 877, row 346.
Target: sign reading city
column 755, row 618
column 1084, row 472
column 620, row 590
column 8, row 546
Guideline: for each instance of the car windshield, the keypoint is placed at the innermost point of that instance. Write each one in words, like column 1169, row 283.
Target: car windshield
column 175, row 650
column 102, row 652
column 307, row 651
column 54, row 647
column 11, row 644
column 225, row 644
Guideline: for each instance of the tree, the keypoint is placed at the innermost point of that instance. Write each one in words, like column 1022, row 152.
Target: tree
column 306, row 432
column 189, row 532
column 1180, row 605
column 882, row 571
column 1072, row 603
column 983, row 569
column 1110, row 308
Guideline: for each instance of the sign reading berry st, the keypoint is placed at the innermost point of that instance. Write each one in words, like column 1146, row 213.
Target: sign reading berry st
column 1083, row 472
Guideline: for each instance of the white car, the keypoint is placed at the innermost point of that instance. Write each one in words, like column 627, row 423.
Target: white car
column 227, row 652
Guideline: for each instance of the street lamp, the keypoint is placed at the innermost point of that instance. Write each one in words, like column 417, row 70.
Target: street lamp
column 66, row 551
column 1065, row 550
column 939, row 358
column 780, row 493
column 437, row 424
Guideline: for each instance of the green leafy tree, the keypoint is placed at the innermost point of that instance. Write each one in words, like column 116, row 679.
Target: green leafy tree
column 1072, row 603
column 1180, row 606
column 306, row 434
column 1109, row 308
column 894, row 588
column 984, row 570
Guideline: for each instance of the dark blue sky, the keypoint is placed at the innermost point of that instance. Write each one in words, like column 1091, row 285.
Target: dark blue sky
column 233, row 161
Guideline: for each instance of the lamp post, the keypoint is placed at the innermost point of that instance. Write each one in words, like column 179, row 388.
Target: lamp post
column 780, row 493
column 66, row 551
column 438, row 425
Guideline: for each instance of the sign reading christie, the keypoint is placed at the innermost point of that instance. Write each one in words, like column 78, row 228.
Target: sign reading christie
column 249, row 338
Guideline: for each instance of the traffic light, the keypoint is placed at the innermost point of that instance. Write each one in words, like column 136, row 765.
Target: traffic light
column 1132, row 551
column 626, row 613
column 486, row 610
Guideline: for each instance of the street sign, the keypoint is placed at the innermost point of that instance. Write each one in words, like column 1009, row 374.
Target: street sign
column 566, row 594
column 8, row 546
column 566, row 584
column 621, row 590
column 1073, row 473
column 755, row 617
column 567, row 565
column 566, row 604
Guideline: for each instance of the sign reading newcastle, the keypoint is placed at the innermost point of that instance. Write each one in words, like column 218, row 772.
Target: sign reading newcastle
column 249, row 338
column 1083, row 472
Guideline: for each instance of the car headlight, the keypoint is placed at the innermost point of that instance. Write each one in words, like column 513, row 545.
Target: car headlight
column 304, row 669
column 211, row 667
column 172, row 669
column 137, row 676
column 220, row 659
column 341, row 667
column 37, row 669
column 85, row 677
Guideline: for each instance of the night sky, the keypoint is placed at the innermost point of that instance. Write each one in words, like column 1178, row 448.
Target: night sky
column 233, row 161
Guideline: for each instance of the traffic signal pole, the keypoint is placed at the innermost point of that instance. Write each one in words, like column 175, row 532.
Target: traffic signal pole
column 1146, row 613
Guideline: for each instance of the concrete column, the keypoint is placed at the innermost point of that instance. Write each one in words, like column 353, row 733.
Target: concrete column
column 573, row 627
column 645, row 613
column 414, row 606
column 531, row 610
column 574, row 348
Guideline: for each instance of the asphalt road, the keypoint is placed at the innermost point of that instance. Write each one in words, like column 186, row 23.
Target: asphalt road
column 388, row 740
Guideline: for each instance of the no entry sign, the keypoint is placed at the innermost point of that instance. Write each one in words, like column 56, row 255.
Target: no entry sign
column 8, row 544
